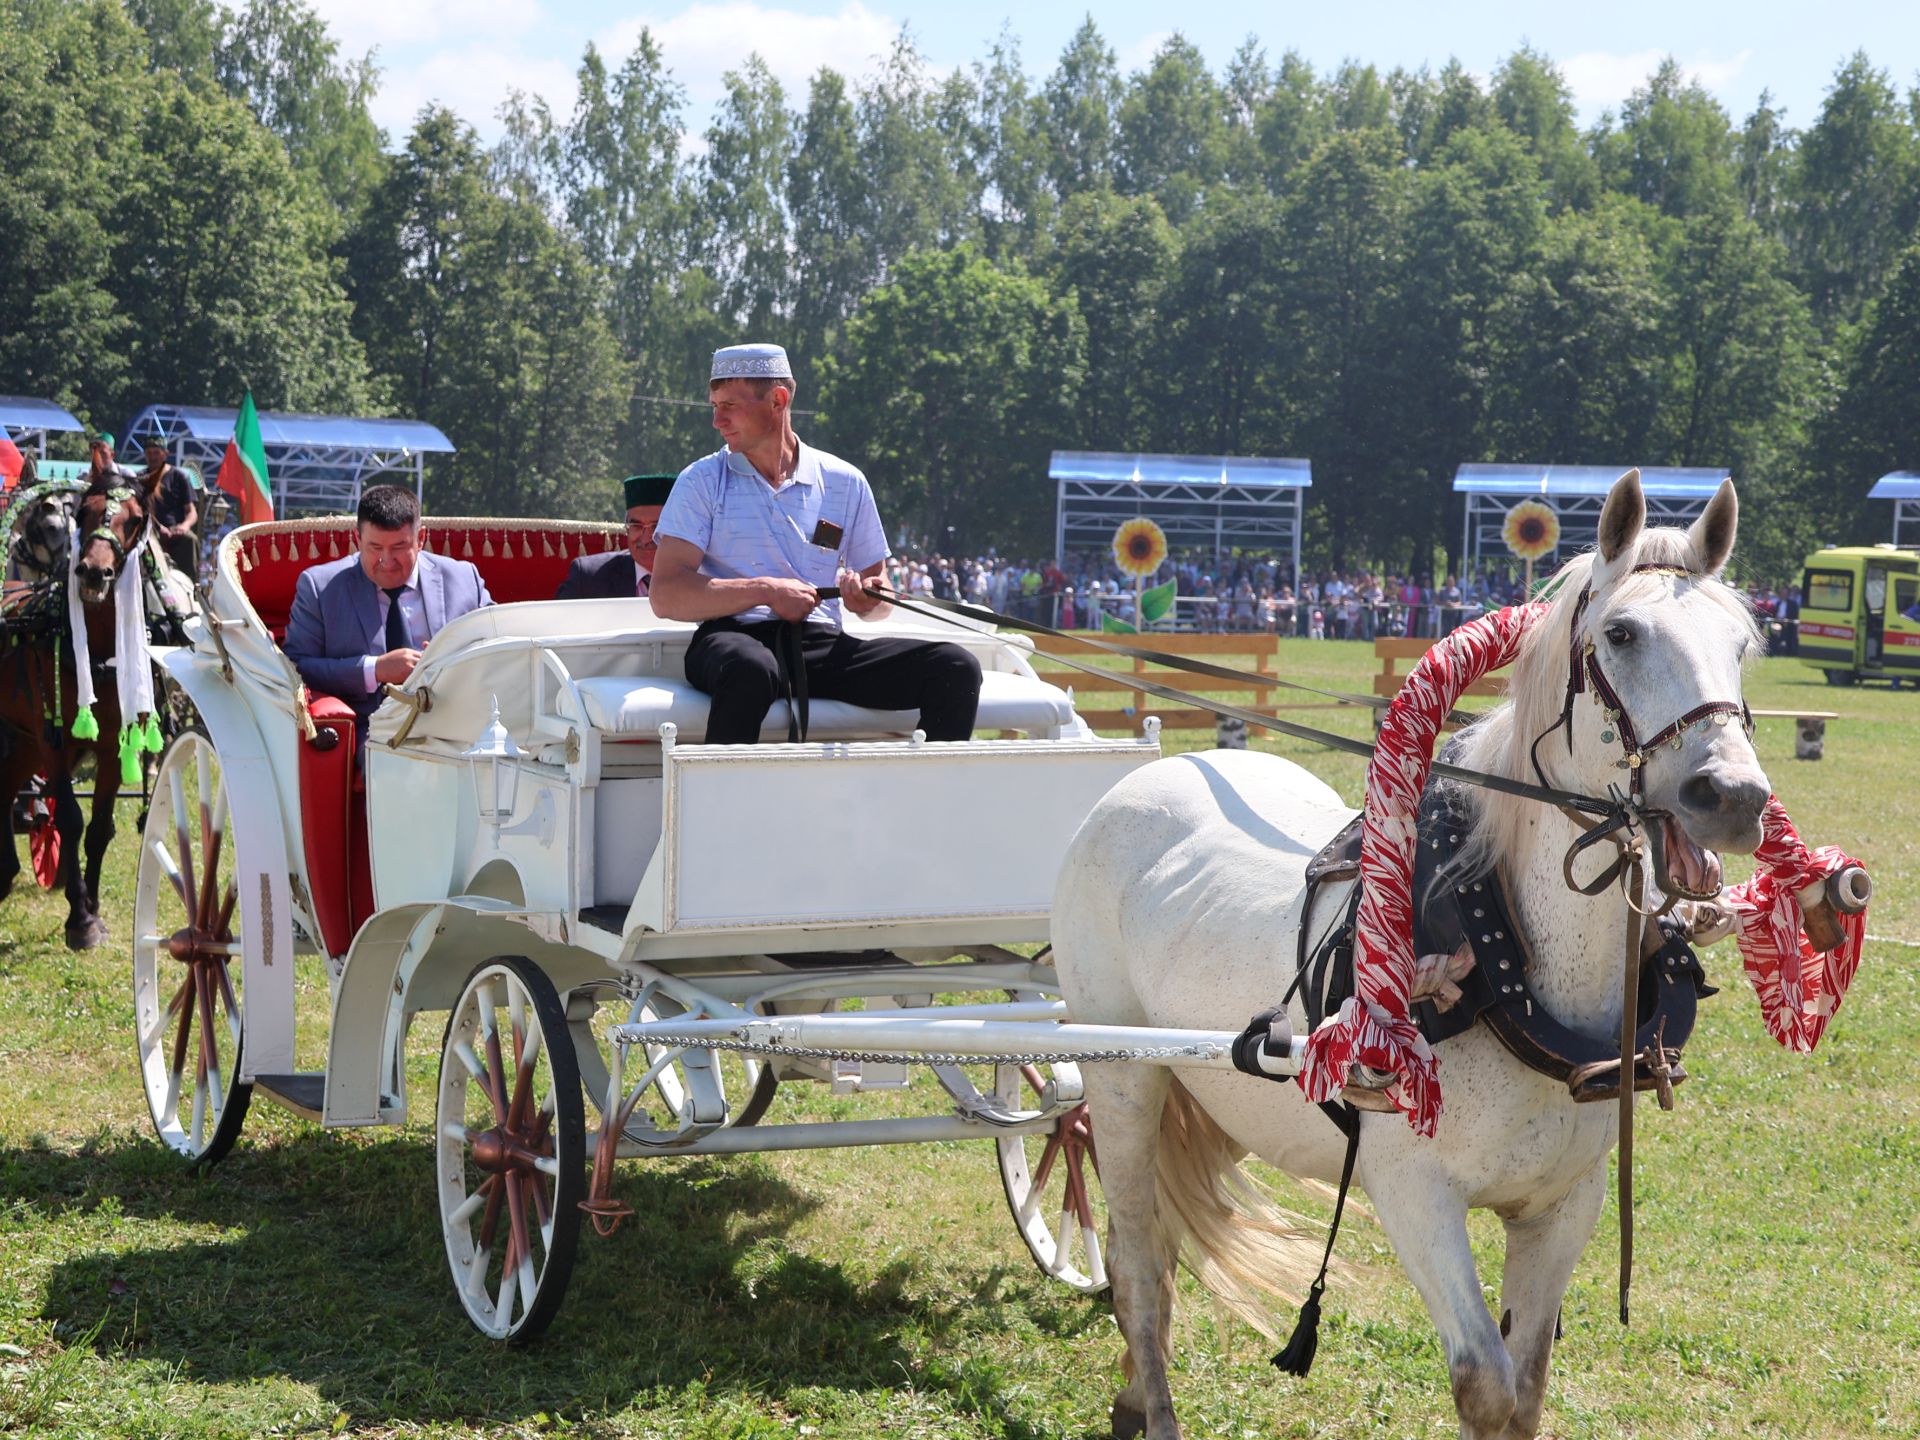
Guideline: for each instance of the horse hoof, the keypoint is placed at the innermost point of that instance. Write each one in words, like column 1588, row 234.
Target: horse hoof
column 87, row 936
column 1128, row 1422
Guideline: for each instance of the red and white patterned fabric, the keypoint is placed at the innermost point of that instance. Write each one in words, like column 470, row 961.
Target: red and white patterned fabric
column 1374, row 1027
column 1799, row 988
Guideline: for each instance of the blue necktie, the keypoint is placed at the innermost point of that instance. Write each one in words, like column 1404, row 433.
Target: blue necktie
column 398, row 636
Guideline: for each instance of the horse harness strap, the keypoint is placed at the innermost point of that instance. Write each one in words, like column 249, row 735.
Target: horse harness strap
column 1584, row 673
column 1496, row 991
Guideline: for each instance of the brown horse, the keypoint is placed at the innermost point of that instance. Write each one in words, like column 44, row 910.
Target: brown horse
column 38, row 702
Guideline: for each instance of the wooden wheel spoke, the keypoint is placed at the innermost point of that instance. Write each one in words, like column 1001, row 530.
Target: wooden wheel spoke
column 209, row 889
column 1047, row 1157
column 189, row 893
column 172, row 872
column 496, row 1066
column 209, row 1057
column 517, row 1248
column 187, row 988
column 227, row 997
column 491, row 1188
column 180, row 994
column 223, row 927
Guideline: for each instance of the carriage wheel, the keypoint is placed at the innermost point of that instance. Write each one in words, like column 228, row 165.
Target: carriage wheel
column 510, row 1149
column 186, row 957
column 1052, row 1180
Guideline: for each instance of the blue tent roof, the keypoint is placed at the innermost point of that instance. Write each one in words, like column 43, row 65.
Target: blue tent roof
column 1896, row 485
column 1251, row 470
column 206, row 422
column 19, row 412
column 1666, row 482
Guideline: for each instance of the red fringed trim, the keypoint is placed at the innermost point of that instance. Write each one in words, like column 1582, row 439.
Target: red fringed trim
column 1799, row 988
column 1378, row 1032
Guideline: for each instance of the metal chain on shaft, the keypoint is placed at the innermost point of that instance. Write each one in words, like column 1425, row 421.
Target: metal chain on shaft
column 1033, row 1057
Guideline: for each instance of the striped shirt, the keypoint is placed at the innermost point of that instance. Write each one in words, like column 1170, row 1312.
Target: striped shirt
column 744, row 528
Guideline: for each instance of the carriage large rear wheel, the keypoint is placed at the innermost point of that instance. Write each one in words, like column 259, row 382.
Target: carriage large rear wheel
column 187, row 957
column 509, row 1149
column 1052, row 1176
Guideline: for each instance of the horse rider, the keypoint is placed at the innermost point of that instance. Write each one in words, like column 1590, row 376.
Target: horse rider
column 749, row 537
column 621, row 574
column 103, row 470
column 170, row 501
column 360, row 623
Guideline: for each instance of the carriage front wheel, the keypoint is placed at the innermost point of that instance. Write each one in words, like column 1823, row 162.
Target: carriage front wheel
column 187, row 957
column 1052, row 1176
column 510, row 1149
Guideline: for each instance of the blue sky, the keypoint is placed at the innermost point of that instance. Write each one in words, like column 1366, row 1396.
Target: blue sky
column 467, row 53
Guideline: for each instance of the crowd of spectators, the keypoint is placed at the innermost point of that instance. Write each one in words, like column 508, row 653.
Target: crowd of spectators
column 1241, row 593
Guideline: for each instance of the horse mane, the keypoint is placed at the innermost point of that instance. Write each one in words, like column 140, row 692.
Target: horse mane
column 1502, row 743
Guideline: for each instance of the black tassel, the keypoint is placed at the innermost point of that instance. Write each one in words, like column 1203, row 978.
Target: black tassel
column 1297, row 1357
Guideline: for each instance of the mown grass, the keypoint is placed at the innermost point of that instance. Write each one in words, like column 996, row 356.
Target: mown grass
column 299, row 1288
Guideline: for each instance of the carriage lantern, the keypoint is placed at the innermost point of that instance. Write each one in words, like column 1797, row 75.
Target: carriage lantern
column 495, row 761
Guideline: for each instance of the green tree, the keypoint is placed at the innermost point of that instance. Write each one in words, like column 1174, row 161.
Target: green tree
column 1579, row 368
column 1762, row 154
column 222, row 266
column 1875, row 425
column 1293, row 120
column 1531, row 98
column 921, row 185
column 278, row 56
column 1674, row 147
column 1172, row 129
column 1855, row 186
column 742, row 176
column 1082, row 99
column 1343, row 232
column 1017, row 203
column 827, row 199
column 1116, row 254
column 182, row 35
column 72, row 84
column 953, row 383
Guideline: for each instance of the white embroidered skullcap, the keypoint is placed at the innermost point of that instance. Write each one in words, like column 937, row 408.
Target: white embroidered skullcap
column 751, row 362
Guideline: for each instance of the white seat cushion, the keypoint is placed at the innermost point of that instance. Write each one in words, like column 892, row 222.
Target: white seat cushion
column 624, row 705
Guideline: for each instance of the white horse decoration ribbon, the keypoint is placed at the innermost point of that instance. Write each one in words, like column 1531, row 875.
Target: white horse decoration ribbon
column 1799, row 989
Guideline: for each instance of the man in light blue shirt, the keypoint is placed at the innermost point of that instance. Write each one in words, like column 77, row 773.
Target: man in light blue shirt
column 749, row 540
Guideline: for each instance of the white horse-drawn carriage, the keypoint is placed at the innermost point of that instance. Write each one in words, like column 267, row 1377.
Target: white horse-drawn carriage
column 637, row 936
column 538, row 845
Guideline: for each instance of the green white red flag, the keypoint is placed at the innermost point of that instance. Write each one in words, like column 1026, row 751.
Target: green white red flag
column 243, row 469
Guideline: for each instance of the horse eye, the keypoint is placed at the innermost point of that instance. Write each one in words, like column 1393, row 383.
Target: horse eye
column 1619, row 636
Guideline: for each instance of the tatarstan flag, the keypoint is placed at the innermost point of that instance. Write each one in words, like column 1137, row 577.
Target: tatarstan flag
column 243, row 469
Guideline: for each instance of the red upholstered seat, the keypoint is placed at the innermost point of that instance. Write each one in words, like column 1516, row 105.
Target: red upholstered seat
column 523, row 560
column 519, row 560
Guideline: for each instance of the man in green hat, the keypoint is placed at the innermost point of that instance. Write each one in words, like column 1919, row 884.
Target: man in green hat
column 622, row 574
column 103, row 470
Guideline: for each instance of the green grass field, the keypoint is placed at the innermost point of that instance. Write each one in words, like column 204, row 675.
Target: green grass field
column 300, row 1288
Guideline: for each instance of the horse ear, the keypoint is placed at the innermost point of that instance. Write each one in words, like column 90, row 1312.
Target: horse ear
column 1712, row 534
column 1621, row 521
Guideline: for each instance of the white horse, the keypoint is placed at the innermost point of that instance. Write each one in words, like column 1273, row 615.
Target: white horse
column 1178, row 905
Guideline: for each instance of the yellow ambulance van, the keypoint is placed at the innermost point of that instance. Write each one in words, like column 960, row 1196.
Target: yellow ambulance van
column 1860, row 614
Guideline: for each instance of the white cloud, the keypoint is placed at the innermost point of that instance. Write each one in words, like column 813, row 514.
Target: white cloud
column 361, row 25
column 1601, row 80
column 709, row 38
column 472, row 83
column 1139, row 55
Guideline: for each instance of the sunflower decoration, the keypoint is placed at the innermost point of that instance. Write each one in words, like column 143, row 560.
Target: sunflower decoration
column 1532, row 531
column 1139, row 548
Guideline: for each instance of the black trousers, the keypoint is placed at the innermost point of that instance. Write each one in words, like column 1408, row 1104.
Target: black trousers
column 737, row 666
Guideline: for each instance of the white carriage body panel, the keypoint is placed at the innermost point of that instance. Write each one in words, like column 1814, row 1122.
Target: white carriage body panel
column 262, row 875
column 784, row 838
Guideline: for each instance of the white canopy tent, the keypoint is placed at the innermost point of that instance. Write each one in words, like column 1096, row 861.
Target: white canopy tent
column 1903, row 488
column 317, row 464
column 1676, row 495
column 1222, row 502
column 28, row 422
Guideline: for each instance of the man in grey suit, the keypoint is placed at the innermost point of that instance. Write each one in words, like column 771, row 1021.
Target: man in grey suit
column 623, row 573
column 360, row 623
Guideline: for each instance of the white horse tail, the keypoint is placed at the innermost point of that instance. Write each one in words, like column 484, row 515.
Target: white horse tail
column 1241, row 1246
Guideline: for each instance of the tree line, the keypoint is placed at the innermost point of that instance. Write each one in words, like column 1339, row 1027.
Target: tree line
column 1389, row 273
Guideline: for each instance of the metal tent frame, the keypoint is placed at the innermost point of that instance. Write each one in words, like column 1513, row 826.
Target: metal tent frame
column 1222, row 501
column 318, row 464
column 1903, row 488
column 28, row 422
column 1676, row 495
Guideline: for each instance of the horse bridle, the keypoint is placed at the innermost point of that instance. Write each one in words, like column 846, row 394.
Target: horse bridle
column 1584, row 675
